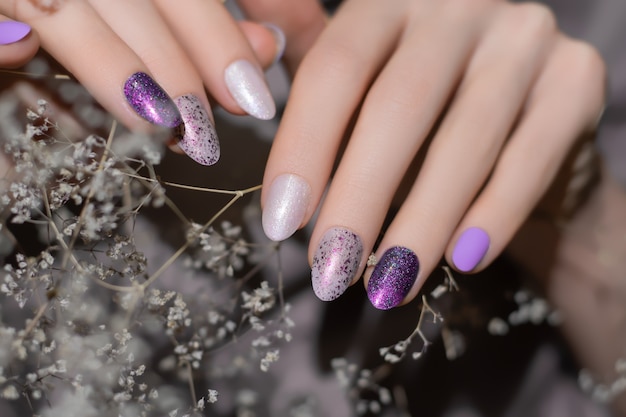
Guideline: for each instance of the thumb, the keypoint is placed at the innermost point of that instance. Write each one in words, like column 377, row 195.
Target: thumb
column 302, row 21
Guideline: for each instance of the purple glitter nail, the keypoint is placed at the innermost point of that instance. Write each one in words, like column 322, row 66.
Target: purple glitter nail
column 196, row 135
column 393, row 277
column 335, row 263
column 149, row 100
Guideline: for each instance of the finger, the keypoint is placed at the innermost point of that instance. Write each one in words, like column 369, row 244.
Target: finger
column 223, row 57
column 339, row 67
column 18, row 43
column 564, row 103
column 142, row 28
column 99, row 59
column 397, row 115
column 462, row 152
column 301, row 21
column 267, row 40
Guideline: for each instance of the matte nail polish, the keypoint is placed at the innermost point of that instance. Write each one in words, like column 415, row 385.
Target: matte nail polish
column 335, row 263
column 393, row 277
column 196, row 135
column 470, row 249
column 280, row 38
column 285, row 207
column 150, row 101
column 247, row 86
column 12, row 31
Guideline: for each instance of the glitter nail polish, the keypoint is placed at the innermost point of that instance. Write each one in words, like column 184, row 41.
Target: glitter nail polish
column 335, row 263
column 285, row 206
column 12, row 31
column 150, row 101
column 247, row 86
column 196, row 135
column 393, row 277
column 470, row 249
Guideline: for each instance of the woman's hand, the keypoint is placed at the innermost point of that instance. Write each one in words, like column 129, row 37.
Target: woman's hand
column 117, row 49
column 484, row 97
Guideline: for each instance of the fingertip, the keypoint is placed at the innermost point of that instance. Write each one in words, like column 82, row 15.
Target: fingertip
column 18, row 44
column 267, row 40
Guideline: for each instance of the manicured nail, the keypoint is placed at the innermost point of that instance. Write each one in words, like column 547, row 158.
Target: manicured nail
column 12, row 31
column 393, row 277
column 247, row 86
column 150, row 101
column 280, row 38
column 285, row 207
column 470, row 249
column 196, row 135
column 335, row 263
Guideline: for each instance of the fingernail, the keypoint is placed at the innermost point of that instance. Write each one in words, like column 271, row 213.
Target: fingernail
column 393, row 277
column 470, row 249
column 150, row 101
column 335, row 263
column 247, row 86
column 286, row 205
column 196, row 135
column 12, row 31
column 280, row 38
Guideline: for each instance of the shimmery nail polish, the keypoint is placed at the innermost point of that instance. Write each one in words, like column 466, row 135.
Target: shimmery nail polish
column 335, row 263
column 196, row 135
column 393, row 277
column 150, row 101
column 12, row 31
column 285, row 207
column 470, row 249
column 280, row 38
column 247, row 86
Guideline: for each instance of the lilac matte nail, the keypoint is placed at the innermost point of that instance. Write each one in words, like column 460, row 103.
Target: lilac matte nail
column 196, row 135
column 12, row 31
column 150, row 101
column 285, row 206
column 247, row 86
column 470, row 249
column 335, row 263
column 393, row 277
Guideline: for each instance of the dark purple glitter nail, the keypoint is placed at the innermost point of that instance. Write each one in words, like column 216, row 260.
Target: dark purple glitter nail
column 335, row 263
column 196, row 135
column 393, row 277
column 149, row 100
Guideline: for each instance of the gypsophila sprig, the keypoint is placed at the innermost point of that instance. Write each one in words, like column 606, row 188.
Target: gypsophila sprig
column 95, row 320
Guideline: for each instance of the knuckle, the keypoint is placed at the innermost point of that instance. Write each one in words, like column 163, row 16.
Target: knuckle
column 534, row 20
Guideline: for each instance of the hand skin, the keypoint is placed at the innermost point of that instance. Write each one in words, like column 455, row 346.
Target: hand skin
column 492, row 96
column 184, row 50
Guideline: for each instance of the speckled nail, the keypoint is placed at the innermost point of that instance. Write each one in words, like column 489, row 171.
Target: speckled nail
column 393, row 277
column 285, row 206
column 335, row 263
column 196, row 135
column 12, row 31
column 150, row 101
column 247, row 86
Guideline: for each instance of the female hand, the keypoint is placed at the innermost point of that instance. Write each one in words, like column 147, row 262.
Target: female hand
column 117, row 49
column 485, row 97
